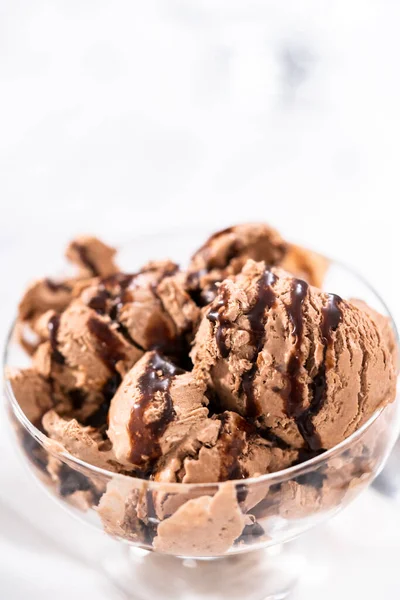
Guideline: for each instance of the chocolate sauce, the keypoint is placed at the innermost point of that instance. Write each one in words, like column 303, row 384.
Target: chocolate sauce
column 270, row 436
column 55, row 286
column 112, row 294
column 53, row 327
column 203, row 296
column 109, row 347
column 122, row 280
column 265, row 299
column 231, row 443
column 331, row 317
column 84, row 258
column 156, row 379
column 294, row 399
column 117, row 290
column 99, row 302
column 217, row 315
column 204, row 249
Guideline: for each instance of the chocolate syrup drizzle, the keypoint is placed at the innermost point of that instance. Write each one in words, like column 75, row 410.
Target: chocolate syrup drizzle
column 109, row 298
column 217, row 315
column 294, row 399
column 109, row 347
column 84, row 258
column 53, row 327
column 232, row 443
column 205, row 295
column 265, row 299
column 55, row 286
column 157, row 378
column 331, row 317
column 115, row 291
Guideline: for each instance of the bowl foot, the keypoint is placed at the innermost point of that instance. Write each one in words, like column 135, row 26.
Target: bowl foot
column 268, row 574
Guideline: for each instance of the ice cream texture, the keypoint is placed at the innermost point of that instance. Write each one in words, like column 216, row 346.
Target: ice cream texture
column 236, row 367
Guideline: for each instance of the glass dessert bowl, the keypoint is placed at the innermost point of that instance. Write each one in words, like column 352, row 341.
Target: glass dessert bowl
column 240, row 526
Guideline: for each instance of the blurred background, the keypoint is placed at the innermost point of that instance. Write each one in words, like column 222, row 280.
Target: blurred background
column 119, row 118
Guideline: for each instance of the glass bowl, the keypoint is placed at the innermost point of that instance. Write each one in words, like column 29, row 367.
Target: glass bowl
column 208, row 540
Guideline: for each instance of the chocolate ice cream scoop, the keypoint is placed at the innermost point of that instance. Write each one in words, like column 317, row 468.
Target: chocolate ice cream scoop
column 82, row 442
column 83, row 360
column 32, row 391
column 154, row 408
column 203, row 526
column 93, row 258
column 222, row 448
column 151, row 307
column 306, row 364
column 91, row 255
column 84, row 349
column 225, row 253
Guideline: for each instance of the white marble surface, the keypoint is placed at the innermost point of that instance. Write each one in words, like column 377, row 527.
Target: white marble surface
column 120, row 117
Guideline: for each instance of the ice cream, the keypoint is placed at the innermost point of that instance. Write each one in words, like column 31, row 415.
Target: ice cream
column 225, row 253
column 238, row 367
column 92, row 257
column 154, row 409
column 204, row 526
column 307, row 365
column 222, row 448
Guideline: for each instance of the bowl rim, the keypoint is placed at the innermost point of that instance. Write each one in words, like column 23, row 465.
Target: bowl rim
column 56, row 449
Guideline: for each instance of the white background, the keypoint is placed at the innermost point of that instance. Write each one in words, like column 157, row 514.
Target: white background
column 123, row 117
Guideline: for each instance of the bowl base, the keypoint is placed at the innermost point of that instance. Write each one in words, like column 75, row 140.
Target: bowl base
column 268, row 574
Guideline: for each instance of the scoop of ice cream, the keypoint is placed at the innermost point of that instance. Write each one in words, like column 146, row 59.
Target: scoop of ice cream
column 44, row 295
column 308, row 365
column 92, row 256
column 84, row 357
column 225, row 253
column 118, row 512
column 90, row 345
column 84, row 443
column 154, row 408
column 204, row 526
column 32, row 391
column 151, row 307
column 222, row 448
